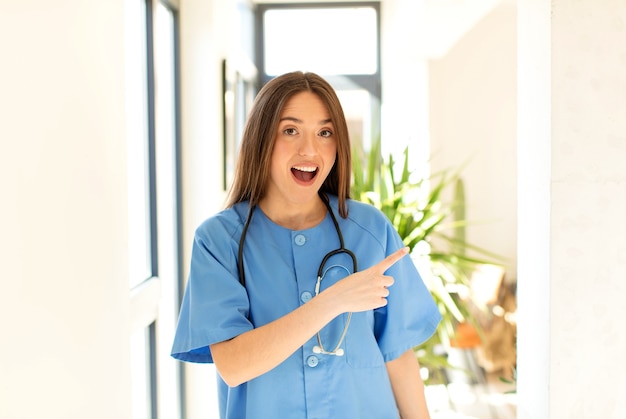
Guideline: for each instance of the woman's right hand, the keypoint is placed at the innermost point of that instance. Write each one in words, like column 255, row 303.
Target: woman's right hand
column 367, row 289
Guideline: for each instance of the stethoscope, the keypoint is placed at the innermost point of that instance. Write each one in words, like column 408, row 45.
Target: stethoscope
column 319, row 348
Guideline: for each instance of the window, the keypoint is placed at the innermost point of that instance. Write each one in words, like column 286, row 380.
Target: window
column 154, row 205
column 322, row 45
column 339, row 41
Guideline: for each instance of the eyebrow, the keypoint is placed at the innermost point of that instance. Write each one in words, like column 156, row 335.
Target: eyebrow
column 299, row 121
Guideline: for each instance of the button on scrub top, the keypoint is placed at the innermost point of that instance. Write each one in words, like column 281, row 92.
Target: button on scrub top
column 281, row 270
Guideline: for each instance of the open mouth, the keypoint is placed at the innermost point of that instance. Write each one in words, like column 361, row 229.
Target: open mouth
column 304, row 173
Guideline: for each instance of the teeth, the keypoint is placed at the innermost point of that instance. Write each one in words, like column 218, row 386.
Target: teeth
column 305, row 168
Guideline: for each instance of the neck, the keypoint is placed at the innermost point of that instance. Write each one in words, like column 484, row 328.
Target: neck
column 295, row 217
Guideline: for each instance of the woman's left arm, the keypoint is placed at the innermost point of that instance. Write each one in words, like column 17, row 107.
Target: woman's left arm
column 408, row 387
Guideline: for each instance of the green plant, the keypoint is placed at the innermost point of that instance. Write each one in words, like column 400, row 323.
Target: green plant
column 434, row 230
column 512, row 381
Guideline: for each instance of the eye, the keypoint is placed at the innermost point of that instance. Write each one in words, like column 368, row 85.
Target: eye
column 290, row 131
column 326, row 133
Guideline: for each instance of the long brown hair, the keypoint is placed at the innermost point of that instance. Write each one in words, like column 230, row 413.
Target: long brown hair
column 257, row 144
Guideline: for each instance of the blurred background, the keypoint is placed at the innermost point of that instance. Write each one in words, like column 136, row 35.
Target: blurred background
column 119, row 125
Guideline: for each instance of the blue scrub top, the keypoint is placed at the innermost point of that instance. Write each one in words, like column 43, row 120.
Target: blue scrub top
column 281, row 270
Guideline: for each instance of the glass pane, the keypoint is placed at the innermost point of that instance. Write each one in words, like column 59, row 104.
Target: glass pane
column 166, row 143
column 324, row 44
column 140, row 376
column 137, row 143
column 165, row 104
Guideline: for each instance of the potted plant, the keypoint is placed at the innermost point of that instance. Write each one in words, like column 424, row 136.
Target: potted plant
column 434, row 230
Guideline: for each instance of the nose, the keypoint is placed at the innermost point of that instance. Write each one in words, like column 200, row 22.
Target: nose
column 308, row 145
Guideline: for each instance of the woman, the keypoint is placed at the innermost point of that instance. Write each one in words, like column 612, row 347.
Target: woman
column 302, row 297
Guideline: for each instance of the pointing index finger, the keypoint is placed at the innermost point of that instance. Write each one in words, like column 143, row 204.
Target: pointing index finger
column 390, row 260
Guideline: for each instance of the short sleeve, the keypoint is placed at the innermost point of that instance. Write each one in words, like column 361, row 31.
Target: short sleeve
column 215, row 305
column 411, row 316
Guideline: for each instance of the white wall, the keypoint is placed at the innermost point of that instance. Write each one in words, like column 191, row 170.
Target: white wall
column 472, row 107
column 63, row 218
column 404, row 73
column 572, row 253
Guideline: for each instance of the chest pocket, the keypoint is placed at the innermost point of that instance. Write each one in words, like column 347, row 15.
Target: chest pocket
column 362, row 349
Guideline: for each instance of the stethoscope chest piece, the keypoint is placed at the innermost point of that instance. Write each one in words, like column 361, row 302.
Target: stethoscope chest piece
column 336, row 352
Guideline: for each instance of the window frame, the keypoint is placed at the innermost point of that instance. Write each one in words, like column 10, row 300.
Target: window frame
column 145, row 297
column 369, row 82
